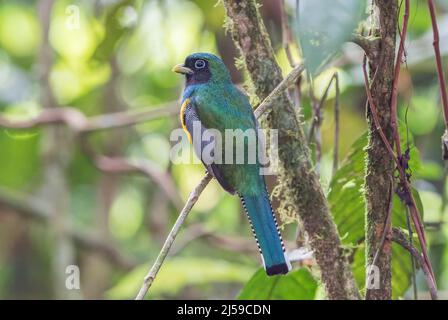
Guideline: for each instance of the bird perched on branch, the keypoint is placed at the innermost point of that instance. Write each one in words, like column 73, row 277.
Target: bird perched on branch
column 212, row 103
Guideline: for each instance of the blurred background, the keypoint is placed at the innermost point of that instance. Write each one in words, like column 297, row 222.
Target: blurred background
column 104, row 56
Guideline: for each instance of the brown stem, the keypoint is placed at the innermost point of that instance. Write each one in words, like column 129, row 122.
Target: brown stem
column 379, row 168
column 441, row 76
column 440, row 73
column 336, row 126
column 400, row 238
column 374, row 113
column 415, row 214
column 314, row 131
column 394, row 97
column 152, row 273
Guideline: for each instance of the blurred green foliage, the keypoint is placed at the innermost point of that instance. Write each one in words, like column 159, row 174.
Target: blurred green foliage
column 118, row 56
column 296, row 285
column 322, row 32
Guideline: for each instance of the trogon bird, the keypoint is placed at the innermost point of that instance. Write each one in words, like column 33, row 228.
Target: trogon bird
column 211, row 101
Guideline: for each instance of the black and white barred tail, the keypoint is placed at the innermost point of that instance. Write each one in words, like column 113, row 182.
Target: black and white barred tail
column 267, row 233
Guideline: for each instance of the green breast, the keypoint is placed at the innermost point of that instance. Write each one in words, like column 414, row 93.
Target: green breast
column 224, row 107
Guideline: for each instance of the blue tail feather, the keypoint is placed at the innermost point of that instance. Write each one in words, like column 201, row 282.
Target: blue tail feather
column 264, row 226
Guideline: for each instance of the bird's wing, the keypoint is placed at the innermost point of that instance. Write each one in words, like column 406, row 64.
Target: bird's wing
column 192, row 125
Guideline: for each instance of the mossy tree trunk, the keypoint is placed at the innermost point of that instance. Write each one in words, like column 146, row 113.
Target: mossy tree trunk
column 299, row 190
column 379, row 169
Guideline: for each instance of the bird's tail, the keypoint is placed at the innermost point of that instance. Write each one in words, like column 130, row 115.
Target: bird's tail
column 266, row 232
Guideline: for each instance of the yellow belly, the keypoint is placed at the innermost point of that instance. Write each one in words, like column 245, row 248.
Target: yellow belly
column 182, row 118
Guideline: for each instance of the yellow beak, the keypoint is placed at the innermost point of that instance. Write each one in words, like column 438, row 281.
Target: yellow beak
column 180, row 68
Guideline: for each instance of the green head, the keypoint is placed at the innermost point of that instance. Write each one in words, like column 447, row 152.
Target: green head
column 202, row 68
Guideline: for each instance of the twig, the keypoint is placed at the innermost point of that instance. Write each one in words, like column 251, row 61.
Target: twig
column 131, row 117
column 298, row 96
column 440, row 74
column 288, row 81
column 336, row 126
column 410, row 201
column 394, row 97
column 286, row 34
column 404, row 190
column 317, row 120
column 387, row 226
column 194, row 196
column 314, row 131
column 375, row 113
column 77, row 121
column 400, row 238
column 411, row 234
column 120, row 165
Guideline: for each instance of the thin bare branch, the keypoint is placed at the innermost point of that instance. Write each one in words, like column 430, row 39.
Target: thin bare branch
column 336, row 125
column 35, row 209
column 82, row 126
column 399, row 237
column 222, row 241
column 288, row 81
column 370, row 45
column 387, row 229
column 374, row 112
column 379, row 160
column 194, row 196
column 121, row 165
column 440, row 74
column 314, row 131
column 286, row 34
column 300, row 194
column 404, row 190
column 78, row 122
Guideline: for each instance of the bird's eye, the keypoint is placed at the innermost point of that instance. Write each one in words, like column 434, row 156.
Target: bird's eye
column 199, row 64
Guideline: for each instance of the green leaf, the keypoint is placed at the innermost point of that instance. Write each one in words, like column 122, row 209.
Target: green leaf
column 346, row 196
column 177, row 273
column 401, row 269
column 347, row 203
column 323, row 26
column 296, row 285
column 19, row 162
column 430, row 170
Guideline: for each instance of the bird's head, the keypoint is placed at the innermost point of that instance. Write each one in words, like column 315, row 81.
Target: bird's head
column 202, row 68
